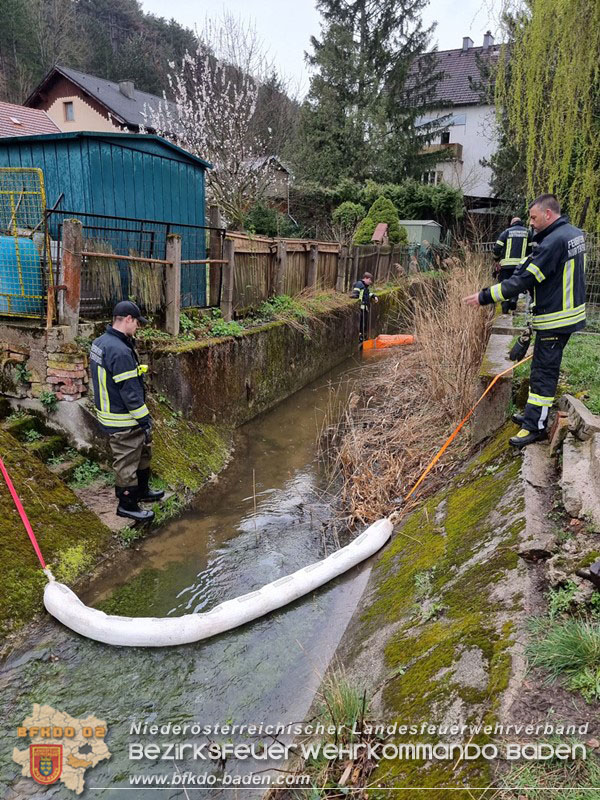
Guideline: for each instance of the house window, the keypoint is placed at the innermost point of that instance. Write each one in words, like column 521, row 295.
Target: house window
column 69, row 112
column 445, row 137
column 432, row 177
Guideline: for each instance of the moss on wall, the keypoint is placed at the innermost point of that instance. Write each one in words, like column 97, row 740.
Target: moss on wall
column 464, row 539
column 70, row 536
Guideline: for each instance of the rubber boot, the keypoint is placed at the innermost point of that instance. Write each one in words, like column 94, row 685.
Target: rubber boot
column 128, row 505
column 144, row 490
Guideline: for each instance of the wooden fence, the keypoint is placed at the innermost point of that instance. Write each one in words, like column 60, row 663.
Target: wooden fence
column 265, row 267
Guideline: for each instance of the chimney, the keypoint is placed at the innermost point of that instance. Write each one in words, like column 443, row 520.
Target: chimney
column 488, row 40
column 127, row 88
column 467, row 43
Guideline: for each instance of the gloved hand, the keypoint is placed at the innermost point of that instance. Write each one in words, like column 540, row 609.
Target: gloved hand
column 148, row 433
column 374, row 298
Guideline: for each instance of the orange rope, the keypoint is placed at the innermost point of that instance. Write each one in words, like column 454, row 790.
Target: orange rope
column 456, row 431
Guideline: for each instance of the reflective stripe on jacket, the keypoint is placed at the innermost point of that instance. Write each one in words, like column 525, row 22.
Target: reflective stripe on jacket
column 555, row 273
column 512, row 246
column 117, row 378
column 361, row 291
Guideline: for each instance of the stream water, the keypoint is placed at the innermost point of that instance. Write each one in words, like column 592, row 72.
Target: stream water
column 223, row 546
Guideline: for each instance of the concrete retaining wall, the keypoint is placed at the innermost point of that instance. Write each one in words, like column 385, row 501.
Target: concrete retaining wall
column 233, row 380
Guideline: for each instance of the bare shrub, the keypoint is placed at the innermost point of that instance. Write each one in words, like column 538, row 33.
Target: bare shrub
column 407, row 404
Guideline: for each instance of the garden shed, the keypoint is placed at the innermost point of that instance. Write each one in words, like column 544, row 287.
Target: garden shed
column 422, row 230
column 135, row 183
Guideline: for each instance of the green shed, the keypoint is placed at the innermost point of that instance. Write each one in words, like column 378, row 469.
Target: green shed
column 128, row 176
column 422, row 230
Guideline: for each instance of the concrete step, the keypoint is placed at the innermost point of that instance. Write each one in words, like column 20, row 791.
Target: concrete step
column 19, row 426
column 47, row 447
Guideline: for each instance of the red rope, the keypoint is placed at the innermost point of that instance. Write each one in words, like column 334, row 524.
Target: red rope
column 22, row 514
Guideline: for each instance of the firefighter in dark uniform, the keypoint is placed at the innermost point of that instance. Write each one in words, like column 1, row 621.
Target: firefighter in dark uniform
column 555, row 275
column 362, row 292
column 510, row 250
column 120, row 401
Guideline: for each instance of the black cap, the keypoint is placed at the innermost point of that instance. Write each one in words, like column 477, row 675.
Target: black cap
column 127, row 308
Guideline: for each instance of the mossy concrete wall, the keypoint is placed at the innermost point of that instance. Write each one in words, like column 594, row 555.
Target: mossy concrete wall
column 436, row 636
column 232, row 380
column 70, row 536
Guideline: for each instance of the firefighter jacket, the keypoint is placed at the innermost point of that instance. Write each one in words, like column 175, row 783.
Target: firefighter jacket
column 512, row 246
column 361, row 291
column 117, row 376
column 554, row 273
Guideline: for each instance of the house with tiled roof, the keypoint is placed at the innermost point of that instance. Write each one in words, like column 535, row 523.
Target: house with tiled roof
column 468, row 132
column 77, row 101
column 21, row 121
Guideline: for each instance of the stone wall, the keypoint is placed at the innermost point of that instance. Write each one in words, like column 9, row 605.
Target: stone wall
column 34, row 360
column 232, row 380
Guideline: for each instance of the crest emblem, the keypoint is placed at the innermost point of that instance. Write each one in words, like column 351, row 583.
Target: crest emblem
column 45, row 762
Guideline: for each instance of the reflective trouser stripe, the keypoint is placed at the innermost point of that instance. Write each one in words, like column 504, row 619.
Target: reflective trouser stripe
column 496, row 293
column 539, row 400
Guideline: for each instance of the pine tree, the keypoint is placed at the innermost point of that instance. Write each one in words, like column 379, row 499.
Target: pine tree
column 371, row 82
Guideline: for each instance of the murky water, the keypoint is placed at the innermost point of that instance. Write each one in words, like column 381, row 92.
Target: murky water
column 265, row 672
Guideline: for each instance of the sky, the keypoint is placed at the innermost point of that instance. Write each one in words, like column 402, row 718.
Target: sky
column 285, row 26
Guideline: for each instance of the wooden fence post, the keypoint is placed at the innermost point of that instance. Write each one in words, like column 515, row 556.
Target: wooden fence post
column 228, row 279
column 355, row 266
column 280, row 267
column 173, row 284
column 71, row 258
column 340, row 282
column 313, row 266
column 216, row 251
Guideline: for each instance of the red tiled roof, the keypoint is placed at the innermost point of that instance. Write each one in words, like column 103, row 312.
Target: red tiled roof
column 22, row 121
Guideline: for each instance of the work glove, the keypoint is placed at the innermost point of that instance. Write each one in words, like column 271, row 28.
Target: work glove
column 374, row 298
column 148, row 433
column 519, row 349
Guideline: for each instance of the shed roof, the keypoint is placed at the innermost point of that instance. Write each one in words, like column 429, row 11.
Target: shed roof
column 125, row 109
column 380, row 232
column 419, row 222
column 18, row 120
column 121, row 138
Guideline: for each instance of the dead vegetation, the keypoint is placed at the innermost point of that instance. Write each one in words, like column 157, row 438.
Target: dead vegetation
column 407, row 404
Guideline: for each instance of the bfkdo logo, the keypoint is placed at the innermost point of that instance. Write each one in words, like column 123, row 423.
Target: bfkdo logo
column 61, row 747
column 45, row 762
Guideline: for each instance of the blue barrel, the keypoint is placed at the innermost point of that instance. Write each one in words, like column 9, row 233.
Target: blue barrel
column 21, row 283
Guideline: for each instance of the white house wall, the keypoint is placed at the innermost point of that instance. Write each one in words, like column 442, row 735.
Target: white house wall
column 478, row 139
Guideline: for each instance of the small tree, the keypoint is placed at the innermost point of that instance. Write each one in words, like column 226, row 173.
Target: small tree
column 215, row 95
column 345, row 219
column 382, row 210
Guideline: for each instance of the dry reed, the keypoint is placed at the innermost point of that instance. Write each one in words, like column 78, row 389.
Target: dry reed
column 103, row 274
column 407, row 404
column 146, row 284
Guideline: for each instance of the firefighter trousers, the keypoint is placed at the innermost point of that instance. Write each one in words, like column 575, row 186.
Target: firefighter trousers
column 504, row 274
column 545, row 369
column 130, row 453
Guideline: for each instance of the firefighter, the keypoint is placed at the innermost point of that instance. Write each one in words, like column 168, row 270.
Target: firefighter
column 555, row 274
column 120, row 401
column 510, row 250
column 362, row 292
